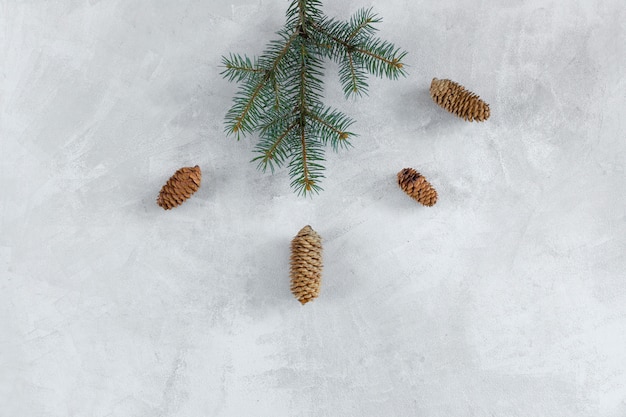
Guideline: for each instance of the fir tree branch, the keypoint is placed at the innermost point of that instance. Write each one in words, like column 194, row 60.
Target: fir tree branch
column 276, row 89
column 304, row 167
column 281, row 91
column 239, row 119
column 283, row 52
column 392, row 62
column 239, row 68
column 273, row 154
column 332, row 126
column 306, row 180
column 239, row 125
column 379, row 50
column 272, row 151
column 301, row 10
column 340, row 134
column 302, row 16
column 386, row 58
column 306, row 183
column 362, row 21
column 352, row 84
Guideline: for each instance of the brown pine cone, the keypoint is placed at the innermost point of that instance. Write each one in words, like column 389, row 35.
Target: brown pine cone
column 180, row 187
column 415, row 185
column 456, row 99
column 306, row 265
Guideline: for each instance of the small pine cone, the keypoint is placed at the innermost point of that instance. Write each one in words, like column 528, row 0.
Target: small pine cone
column 180, row 187
column 456, row 99
column 306, row 265
column 415, row 185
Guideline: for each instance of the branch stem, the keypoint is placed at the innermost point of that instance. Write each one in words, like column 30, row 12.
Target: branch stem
column 246, row 69
column 358, row 29
column 302, row 16
column 248, row 105
column 262, row 82
column 350, row 48
column 325, row 123
column 269, row 154
column 355, row 87
column 302, row 120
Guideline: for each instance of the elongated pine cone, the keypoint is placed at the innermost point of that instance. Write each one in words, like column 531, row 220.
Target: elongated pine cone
column 415, row 185
column 180, row 187
column 306, row 265
column 456, row 99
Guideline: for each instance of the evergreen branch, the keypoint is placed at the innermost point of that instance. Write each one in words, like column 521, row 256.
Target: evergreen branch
column 302, row 93
column 304, row 167
column 331, row 31
column 276, row 91
column 281, row 91
column 306, row 176
column 392, row 62
column 302, row 16
column 307, row 182
column 273, row 57
column 333, row 127
column 301, row 10
column 326, row 124
column 382, row 58
column 272, row 148
column 244, row 107
column 353, row 81
column 352, row 76
column 362, row 22
column 322, row 43
column 239, row 68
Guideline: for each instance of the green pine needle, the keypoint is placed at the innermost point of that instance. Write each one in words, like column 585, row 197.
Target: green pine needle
column 281, row 91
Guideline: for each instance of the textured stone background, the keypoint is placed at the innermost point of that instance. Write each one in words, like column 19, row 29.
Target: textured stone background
column 508, row 298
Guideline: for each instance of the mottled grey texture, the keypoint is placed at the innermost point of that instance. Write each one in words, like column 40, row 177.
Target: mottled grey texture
column 507, row 298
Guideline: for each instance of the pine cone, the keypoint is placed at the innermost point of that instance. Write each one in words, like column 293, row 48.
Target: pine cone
column 306, row 265
column 180, row 187
column 456, row 99
column 415, row 185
